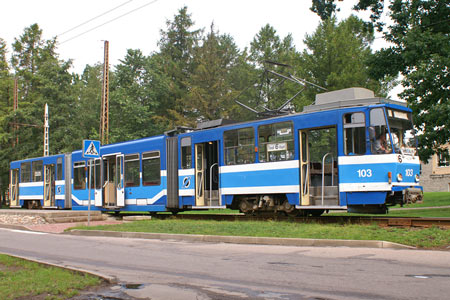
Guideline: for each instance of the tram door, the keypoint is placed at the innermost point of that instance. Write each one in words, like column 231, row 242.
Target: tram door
column 113, row 188
column 120, row 191
column 14, row 188
column 318, row 167
column 98, row 183
column 49, row 185
column 207, row 174
column 304, row 168
column 200, row 162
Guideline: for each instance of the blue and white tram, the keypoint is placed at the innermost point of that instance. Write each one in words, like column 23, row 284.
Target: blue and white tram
column 349, row 151
column 129, row 176
column 39, row 182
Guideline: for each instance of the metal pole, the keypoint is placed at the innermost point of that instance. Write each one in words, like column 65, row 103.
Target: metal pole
column 89, row 192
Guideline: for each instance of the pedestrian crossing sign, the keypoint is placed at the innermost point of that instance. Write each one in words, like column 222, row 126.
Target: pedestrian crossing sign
column 91, row 149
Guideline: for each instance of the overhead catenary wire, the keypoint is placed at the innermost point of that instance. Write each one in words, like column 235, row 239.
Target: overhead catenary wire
column 110, row 21
column 94, row 18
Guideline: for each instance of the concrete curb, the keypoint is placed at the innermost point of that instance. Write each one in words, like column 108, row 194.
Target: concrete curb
column 243, row 239
column 107, row 278
column 16, row 227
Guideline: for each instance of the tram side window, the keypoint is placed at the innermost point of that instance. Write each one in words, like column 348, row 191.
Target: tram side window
column 186, row 153
column 25, row 172
column 37, row 170
column 239, row 146
column 59, row 170
column 151, row 168
column 380, row 142
column 79, row 175
column 96, row 178
column 354, row 134
column 131, row 170
column 276, row 142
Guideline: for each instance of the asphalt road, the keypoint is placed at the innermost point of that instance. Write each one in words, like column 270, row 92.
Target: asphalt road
column 183, row 270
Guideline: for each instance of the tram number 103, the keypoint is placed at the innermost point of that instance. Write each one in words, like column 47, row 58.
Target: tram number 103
column 362, row 173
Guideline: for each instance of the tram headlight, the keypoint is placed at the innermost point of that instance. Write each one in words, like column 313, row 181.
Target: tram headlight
column 399, row 177
column 417, row 177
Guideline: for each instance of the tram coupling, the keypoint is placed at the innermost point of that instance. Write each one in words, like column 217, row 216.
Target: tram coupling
column 412, row 195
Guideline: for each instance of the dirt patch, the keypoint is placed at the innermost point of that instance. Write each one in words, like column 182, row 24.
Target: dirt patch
column 5, row 268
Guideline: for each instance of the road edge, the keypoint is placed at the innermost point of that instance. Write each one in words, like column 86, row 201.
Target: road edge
column 107, row 278
column 243, row 239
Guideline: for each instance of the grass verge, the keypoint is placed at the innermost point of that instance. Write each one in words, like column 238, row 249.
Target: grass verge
column 430, row 238
column 422, row 213
column 431, row 200
column 22, row 279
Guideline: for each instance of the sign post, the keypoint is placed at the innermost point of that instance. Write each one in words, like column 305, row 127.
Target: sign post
column 91, row 150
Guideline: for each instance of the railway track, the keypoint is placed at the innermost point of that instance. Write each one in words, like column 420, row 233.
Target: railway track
column 381, row 221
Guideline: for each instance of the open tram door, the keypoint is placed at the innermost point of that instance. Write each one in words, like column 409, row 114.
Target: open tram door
column 98, row 183
column 319, row 169
column 207, row 174
column 112, row 193
column 49, row 186
column 14, row 188
column 304, row 168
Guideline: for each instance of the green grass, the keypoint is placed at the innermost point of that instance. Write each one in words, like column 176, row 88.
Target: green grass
column 432, row 200
column 422, row 213
column 24, row 279
column 423, row 238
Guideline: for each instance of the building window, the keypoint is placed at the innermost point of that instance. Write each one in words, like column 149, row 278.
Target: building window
column 354, row 134
column 239, row 146
column 276, row 142
column 186, row 153
column 151, row 168
column 132, row 170
column 37, row 170
column 443, row 160
column 25, row 172
column 79, row 175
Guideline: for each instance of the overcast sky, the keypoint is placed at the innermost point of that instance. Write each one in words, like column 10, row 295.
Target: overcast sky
column 136, row 24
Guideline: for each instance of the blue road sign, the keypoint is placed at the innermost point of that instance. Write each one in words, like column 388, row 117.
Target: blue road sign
column 91, row 149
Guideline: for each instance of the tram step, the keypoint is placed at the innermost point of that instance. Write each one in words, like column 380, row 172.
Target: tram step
column 327, row 200
column 328, row 191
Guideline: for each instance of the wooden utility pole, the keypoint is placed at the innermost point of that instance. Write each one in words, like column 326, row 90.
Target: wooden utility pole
column 104, row 117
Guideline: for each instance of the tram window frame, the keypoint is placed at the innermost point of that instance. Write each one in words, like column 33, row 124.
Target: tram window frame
column 131, row 165
column 25, row 172
column 151, row 166
column 378, row 127
column 37, row 168
column 239, row 145
column 59, row 168
column 354, row 133
column 282, row 145
column 79, row 175
column 186, row 153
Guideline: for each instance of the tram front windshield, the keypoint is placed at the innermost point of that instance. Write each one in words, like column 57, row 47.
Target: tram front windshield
column 400, row 124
